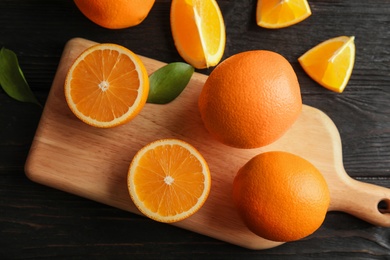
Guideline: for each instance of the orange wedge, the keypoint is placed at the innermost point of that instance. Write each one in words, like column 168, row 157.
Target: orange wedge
column 106, row 86
column 198, row 31
column 168, row 180
column 331, row 62
column 274, row 14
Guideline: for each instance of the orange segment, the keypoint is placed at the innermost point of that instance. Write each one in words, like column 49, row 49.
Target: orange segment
column 168, row 180
column 198, row 31
column 331, row 62
column 107, row 85
column 274, row 14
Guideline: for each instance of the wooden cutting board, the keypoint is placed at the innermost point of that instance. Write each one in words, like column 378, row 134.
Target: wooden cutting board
column 72, row 156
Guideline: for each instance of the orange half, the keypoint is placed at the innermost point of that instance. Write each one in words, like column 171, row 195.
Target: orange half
column 168, row 180
column 275, row 14
column 107, row 85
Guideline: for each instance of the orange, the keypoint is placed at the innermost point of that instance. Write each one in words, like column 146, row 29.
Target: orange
column 331, row 62
column 198, row 31
column 107, row 85
column 250, row 99
column 168, row 180
column 281, row 196
column 116, row 14
column 274, row 14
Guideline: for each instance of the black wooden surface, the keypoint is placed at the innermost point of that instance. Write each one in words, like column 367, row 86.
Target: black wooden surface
column 40, row 222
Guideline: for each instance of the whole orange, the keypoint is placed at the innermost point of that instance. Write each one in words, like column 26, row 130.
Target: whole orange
column 115, row 14
column 250, row 99
column 281, row 196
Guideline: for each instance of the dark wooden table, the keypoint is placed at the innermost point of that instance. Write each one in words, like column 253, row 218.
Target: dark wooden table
column 41, row 222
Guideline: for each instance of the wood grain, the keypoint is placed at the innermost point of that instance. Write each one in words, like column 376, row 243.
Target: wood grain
column 74, row 157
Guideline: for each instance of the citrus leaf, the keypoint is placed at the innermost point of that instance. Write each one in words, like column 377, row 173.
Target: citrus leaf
column 168, row 82
column 12, row 79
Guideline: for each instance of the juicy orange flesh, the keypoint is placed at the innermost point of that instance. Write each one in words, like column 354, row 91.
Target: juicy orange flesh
column 169, row 180
column 107, row 91
column 185, row 26
column 282, row 11
column 187, row 12
column 286, row 10
column 335, row 72
column 209, row 25
column 331, row 72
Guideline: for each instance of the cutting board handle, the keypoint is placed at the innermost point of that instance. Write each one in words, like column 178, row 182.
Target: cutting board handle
column 363, row 200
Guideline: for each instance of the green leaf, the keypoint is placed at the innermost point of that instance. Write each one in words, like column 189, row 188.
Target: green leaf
column 168, row 82
column 12, row 79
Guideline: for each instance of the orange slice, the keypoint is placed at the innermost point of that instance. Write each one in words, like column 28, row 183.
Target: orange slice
column 331, row 62
column 274, row 14
column 107, row 85
column 168, row 180
column 198, row 31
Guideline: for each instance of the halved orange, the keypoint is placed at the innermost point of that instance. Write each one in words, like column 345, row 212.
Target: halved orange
column 107, row 85
column 331, row 62
column 274, row 14
column 168, row 180
column 198, row 30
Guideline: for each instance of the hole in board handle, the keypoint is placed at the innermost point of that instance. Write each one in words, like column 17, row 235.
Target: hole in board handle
column 384, row 206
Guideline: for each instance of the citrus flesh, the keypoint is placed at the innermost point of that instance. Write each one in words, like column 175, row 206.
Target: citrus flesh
column 281, row 196
column 198, row 31
column 168, row 180
column 275, row 14
column 106, row 86
column 331, row 62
